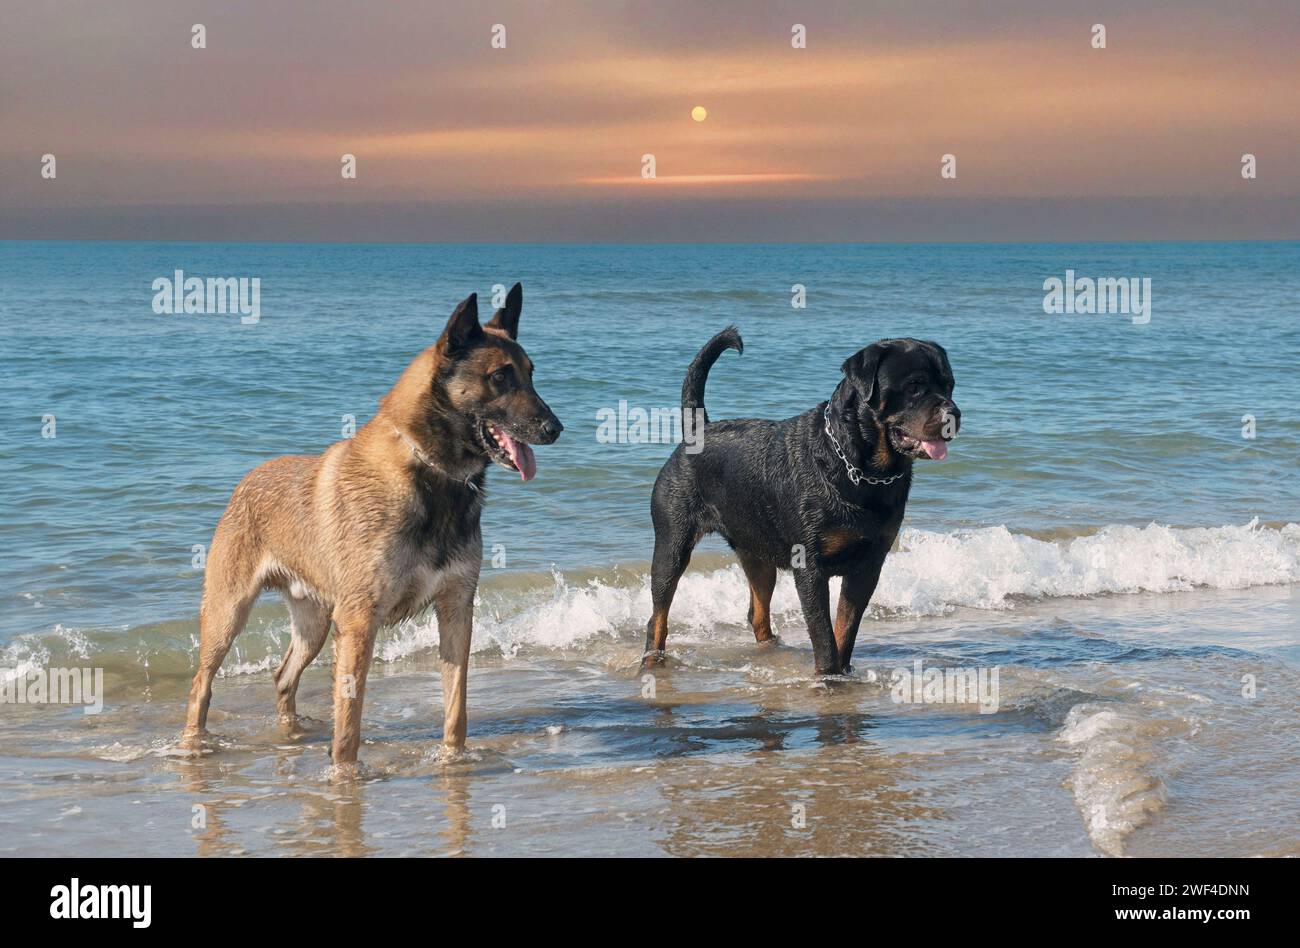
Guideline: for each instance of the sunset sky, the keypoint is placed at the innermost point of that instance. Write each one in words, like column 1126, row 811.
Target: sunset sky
column 543, row 140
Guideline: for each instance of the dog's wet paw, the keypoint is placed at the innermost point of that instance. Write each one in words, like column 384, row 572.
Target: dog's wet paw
column 446, row 754
column 452, row 761
column 297, row 726
column 191, row 744
column 349, row 772
column 651, row 662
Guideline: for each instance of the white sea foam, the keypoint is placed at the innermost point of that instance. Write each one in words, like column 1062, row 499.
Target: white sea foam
column 930, row 574
column 987, row 568
column 1116, row 779
column 20, row 670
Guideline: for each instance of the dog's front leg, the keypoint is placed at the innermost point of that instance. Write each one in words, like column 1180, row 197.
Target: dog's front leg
column 855, row 594
column 455, row 606
column 814, row 596
column 354, row 645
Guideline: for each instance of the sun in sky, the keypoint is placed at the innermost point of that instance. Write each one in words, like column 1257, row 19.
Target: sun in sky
column 699, row 113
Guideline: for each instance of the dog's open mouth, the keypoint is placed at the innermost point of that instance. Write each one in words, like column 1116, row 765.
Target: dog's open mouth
column 914, row 447
column 509, row 452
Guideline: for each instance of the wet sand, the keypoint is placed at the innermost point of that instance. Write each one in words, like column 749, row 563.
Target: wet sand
column 1121, row 730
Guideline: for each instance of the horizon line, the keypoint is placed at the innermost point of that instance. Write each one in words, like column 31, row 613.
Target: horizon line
column 656, row 243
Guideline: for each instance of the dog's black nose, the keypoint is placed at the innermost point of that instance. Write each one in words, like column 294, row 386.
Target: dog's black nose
column 551, row 428
column 950, row 414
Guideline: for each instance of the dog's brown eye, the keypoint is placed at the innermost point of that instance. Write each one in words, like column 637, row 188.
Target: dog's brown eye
column 500, row 376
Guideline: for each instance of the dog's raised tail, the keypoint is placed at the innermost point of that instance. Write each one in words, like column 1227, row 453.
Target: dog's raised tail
column 698, row 373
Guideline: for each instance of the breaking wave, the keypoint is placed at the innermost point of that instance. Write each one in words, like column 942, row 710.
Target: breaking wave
column 929, row 574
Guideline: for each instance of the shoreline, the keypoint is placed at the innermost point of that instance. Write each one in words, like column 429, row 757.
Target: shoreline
column 1120, row 732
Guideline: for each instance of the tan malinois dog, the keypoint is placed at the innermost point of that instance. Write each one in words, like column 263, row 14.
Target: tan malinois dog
column 379, row 526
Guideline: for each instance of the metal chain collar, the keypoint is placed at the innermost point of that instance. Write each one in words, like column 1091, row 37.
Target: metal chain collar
column 855, row 475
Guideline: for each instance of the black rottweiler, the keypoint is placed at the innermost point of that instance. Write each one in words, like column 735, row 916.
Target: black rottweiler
column 821, row 493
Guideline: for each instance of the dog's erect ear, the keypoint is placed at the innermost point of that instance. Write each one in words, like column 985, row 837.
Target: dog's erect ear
column 462, row 328
column 862, row 365
column 507, row 317
column 945, row 370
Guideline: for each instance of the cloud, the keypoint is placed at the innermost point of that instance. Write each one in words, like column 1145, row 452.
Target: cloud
column 583, row 90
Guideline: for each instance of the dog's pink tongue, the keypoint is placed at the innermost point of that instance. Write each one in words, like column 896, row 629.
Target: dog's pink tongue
column 937, row 450
column 522, row 455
